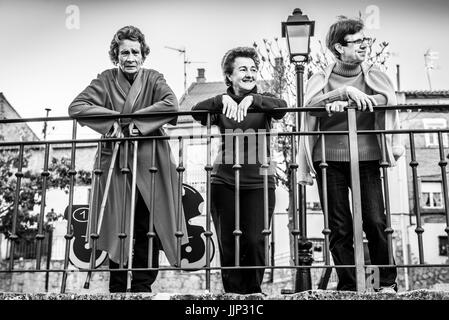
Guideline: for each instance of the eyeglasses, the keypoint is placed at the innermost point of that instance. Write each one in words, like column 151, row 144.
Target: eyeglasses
column 368, row 41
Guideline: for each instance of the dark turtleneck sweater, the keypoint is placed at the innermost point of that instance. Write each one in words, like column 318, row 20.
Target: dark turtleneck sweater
column 337, row 146
column 251, row 176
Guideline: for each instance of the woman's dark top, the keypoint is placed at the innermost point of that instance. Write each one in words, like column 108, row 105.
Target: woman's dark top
column 251, row 152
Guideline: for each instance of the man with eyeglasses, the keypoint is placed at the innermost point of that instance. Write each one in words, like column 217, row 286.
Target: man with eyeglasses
column 350, row 81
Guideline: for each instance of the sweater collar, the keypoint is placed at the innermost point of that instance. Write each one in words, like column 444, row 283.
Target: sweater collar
column 346, row 69
column 231, row 93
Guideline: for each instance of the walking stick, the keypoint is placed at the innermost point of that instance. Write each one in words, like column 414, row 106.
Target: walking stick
column 131, row 222
column 103, row 204
column 108, row 184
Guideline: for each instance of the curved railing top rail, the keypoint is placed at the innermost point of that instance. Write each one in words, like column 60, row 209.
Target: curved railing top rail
column 422, row 107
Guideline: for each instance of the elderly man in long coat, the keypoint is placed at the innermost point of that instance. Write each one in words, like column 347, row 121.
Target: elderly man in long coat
column 132, row 89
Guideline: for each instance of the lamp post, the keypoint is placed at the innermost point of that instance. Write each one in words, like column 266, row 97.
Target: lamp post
column 297, row 30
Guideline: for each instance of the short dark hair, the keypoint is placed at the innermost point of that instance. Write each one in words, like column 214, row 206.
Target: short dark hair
column 128, row 33
column 339, row 30
column 227, row 64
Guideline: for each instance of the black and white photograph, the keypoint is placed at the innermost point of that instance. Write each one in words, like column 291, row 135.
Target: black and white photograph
column 227, row 157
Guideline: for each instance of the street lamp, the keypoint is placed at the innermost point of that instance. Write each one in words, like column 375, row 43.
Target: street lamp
column 298, row 29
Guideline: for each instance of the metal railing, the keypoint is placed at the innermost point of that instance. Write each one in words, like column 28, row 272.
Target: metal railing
column 301, row 260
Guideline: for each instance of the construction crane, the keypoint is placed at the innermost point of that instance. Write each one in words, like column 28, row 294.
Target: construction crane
column 183, row 52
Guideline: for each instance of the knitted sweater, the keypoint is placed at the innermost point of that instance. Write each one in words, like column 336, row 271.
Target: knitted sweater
column 381, row 85
column 337, row 146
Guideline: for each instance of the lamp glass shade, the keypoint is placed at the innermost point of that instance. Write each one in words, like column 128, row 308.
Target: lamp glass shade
column 298, row 37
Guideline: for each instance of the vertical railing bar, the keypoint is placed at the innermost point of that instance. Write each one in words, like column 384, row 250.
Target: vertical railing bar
column 273, row 237
column 443, row 164
column 151, row 234
column 266, row 231
column 40, row 236
column 303, row 211
column 326, row 231
column 295, row 232
column 208, row 232
column 326, row 273
column 180, row 169
column 272, row 246
column 122, row 235
column 93, row 230
column 13, row 237
column 237, row 232
column 356, row 200
column 69, row 234
column 419, row 230
column 389, row 230
column 132, row 215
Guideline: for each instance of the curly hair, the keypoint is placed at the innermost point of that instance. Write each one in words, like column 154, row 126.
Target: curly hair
column 339, row 30
column 227, row 64
column 128, row 33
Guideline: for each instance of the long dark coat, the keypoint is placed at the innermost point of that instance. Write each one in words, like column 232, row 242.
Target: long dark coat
column 111, row 93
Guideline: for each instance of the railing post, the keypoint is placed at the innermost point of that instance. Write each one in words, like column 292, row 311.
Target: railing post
column 95, row 217
column 266, row 219
column 356, row 200
column 443, row 165
column 180, row 169
column 208, row 233
column 417, row 206
column 151, row 235
column 389, row 230
column 69, row 234
column 14, row 237
column 237, row 232
column 326, row 273
column 40, row 235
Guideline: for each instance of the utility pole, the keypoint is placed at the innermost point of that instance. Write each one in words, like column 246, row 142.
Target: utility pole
column 44, row 130
column 183, row 52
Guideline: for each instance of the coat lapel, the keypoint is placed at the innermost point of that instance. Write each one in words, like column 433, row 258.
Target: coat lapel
column 133, row 93
column 122, row 83
column 129, row 92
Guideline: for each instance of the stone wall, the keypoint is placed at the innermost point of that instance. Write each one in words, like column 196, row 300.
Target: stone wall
column 194, row 282
column 419, row 277
column 167, row 281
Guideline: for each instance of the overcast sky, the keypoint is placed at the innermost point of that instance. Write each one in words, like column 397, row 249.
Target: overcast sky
column 51, row 50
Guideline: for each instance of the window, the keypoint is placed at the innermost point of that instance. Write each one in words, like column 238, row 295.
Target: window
column 431, row 138
column 442, row 245
column 431, row 195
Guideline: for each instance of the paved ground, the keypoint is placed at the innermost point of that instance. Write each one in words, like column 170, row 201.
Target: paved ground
column 308, row 295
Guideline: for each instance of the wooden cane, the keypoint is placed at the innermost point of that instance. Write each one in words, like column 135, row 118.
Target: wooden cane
column 107, row 186
column 103, row 204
